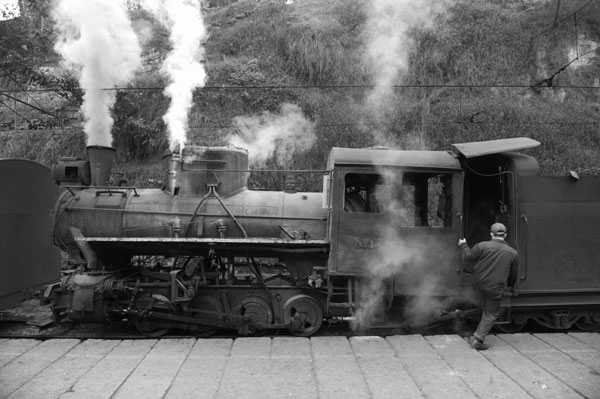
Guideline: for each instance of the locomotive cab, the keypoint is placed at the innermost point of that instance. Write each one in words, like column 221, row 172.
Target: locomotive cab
column 395, row 222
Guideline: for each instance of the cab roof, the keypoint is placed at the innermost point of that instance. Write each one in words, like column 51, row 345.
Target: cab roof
column 385, row 157
column 428, row 159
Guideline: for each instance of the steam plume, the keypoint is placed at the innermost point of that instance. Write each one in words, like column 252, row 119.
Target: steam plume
column 412, row 266
column 389, row 23
column 269, row 134
column 183, row 64
column 96, row 37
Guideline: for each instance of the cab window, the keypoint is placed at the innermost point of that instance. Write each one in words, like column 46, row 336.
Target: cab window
column 412, row 199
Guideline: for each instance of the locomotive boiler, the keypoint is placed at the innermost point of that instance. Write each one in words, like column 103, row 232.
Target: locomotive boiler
column 205, row 253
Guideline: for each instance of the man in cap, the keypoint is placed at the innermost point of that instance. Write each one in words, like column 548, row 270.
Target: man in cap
column 493, row 264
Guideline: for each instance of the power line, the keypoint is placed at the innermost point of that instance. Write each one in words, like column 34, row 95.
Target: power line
column 310, row 87
column 432, row 123
column 29, row 105
column 548, row 82
column 12, row 109
column 572, row 14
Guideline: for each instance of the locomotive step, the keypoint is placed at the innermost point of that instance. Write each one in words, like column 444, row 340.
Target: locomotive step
column 345, row 305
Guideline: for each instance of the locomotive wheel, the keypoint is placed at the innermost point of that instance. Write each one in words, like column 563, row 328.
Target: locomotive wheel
column 509, row 328
column 255, row 307
column 591, row 324
column 209, row 304
column 517, row 323
column 304, row 311
column 151, row 328
column 585, row 325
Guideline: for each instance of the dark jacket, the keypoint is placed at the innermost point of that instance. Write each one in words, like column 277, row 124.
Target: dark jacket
column 493, row 264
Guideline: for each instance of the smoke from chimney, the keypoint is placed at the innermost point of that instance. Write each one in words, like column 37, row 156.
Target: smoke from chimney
column 183, row 19
column 96, row 38
column 388, row 44
column 268, row 134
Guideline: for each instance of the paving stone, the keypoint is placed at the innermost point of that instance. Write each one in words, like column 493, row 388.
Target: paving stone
column 292, row 378
column 154, row 375
column 544, row 366
column 337, row 371
column 478, row 372
column 202, row 372
column 428, row 369
column 292, row 369
column 384, row 373
column 110, row 372
column 371, row 346
column 251, row 347
column 246, row 369
column 11, row 349
column 590, row 338
column 55, row 380
column 22, row 369
column 574, row 348
column 530, row 376
column 219, row 347
column 245, row 377
column 291, row 347
column 330, row 346
column 578, row 377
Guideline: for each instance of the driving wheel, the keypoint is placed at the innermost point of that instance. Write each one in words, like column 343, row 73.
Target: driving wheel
column 304, row 314
column 254, row 307
column 197, row 307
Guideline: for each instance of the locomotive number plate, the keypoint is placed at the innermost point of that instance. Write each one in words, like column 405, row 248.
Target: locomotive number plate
column 365, row 243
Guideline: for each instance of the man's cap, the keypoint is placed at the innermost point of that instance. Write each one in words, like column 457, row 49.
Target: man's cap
column 498, row 229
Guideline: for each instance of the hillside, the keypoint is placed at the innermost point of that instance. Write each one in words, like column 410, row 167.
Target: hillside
column 476, row 71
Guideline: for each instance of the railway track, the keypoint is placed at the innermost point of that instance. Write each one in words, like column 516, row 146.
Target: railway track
column 125, row 331
column 32, row 320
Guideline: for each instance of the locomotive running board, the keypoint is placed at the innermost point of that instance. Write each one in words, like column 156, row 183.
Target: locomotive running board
column 321, row 246
column 479, row 148
column 261, row 241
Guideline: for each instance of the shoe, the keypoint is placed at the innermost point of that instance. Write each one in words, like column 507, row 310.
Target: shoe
column 476, row 343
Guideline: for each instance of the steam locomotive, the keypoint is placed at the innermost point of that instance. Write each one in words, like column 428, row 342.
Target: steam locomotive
column 205, row 253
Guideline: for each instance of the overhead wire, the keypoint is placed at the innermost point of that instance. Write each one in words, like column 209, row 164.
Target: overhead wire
column 547, row 81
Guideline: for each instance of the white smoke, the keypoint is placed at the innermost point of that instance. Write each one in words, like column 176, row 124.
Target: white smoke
column 388, row 43
column 96, row 37
column 268, row 134
column 400, row 263
column 183, row 65
column 391, row 257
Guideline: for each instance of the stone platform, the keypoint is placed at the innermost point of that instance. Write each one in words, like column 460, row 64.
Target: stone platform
column 516, row 366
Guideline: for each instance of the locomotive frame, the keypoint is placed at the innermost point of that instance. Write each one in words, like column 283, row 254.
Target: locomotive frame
column 205, row 253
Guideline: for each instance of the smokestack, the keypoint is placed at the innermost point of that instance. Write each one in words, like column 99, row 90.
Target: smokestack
column 101, row 162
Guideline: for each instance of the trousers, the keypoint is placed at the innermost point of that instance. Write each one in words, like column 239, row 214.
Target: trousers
column 490, row 303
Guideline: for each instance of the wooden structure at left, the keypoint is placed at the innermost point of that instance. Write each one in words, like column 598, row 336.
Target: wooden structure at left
column 28, row 258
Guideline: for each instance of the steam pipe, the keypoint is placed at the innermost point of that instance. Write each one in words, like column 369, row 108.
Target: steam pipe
column 202, row 200
column 229, row 212
column 84, row 247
